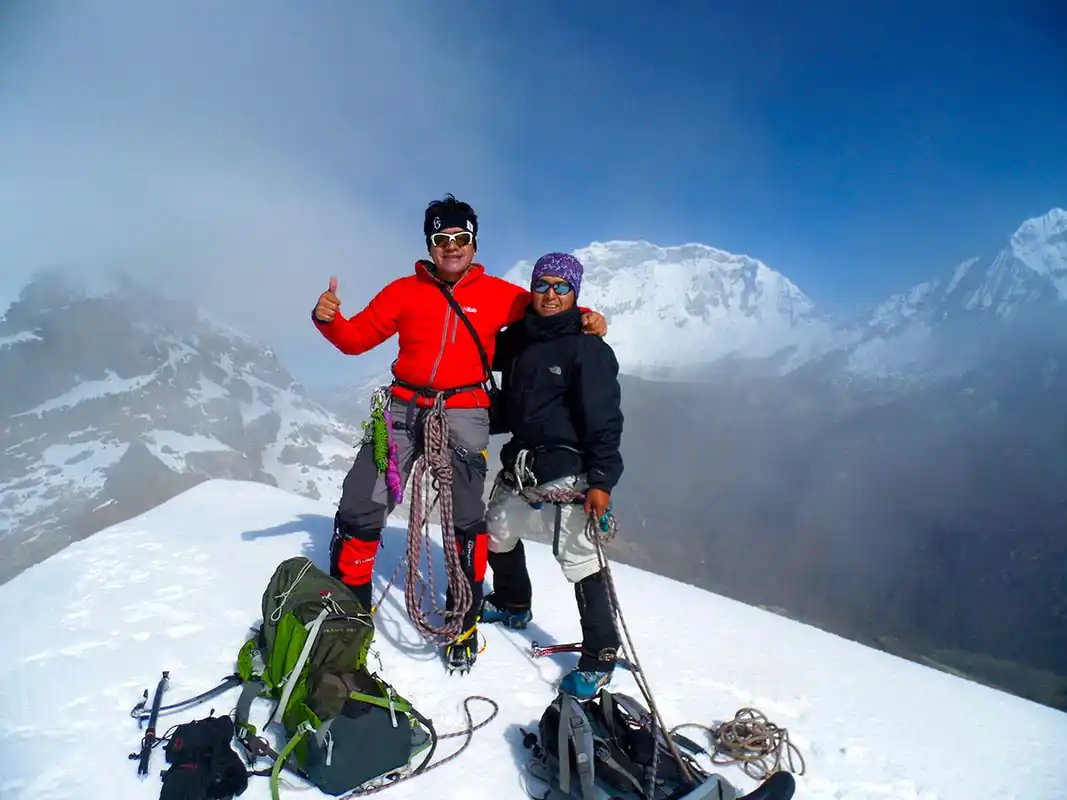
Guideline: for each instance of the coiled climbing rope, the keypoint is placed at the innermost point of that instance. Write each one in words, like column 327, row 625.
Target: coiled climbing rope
column 751, row 740
column 434, row 461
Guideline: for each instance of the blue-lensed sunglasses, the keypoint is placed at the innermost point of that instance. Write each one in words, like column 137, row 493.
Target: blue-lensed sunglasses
column 561, row 288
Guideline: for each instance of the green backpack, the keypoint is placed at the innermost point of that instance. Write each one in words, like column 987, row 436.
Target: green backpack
column 346, row 728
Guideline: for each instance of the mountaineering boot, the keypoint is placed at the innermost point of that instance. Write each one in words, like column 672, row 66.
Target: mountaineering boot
column 512, row 589
column 584, row 684
column 600, row 639
column 494, row 612
column 461, row 653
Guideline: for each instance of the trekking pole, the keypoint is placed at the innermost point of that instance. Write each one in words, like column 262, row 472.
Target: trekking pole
column 149, row 740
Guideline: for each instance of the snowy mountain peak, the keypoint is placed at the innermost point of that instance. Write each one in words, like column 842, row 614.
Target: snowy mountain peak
column 1030, row 271
column 1040, row 244
column 683, row 305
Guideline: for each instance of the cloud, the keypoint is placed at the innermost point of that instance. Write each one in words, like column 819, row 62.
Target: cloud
column 237, row 154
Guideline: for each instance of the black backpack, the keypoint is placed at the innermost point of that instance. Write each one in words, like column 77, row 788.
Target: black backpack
column 610, row 749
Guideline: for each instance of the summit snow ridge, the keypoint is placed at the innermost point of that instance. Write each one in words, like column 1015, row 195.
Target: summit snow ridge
column 179, row 588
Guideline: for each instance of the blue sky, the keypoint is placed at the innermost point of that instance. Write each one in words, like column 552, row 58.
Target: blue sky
column 855, row 146
column 239, row 154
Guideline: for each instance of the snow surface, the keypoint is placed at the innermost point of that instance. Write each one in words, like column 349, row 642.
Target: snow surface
column 88, row 630
column 178, row 588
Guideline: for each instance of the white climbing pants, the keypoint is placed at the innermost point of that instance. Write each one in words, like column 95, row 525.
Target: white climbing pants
column 511, row 518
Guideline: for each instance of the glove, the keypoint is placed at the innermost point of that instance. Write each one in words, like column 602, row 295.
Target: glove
column 598, row 502
column 187, row 781
column 204, row 765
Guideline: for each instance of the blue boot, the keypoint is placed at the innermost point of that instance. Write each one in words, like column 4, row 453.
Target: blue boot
column 584, row 684
column 492, row 613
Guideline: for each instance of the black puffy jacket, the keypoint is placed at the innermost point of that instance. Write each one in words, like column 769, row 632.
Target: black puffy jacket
column 560, row 399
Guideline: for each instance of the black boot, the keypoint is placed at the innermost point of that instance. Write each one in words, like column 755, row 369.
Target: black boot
column 509, row 602
column 511, row 579
column 461, row 653
column 600, row 641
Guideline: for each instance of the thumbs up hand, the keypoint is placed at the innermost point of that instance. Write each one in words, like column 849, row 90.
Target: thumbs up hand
column 328, row 304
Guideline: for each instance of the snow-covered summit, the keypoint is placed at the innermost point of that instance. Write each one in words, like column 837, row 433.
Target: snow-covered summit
column 116, row 398
column 1041, row 245
column 679, row 306
column 179, row 587
column 1030, row 270
column 940, row 323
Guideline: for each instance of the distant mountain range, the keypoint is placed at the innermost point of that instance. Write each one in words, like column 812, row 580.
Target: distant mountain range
column 114, row 401
column 675, row 311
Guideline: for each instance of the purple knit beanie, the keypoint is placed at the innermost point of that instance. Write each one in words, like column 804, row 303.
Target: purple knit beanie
column 559, row 265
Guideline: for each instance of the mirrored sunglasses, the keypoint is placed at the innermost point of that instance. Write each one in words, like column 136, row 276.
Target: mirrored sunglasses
column 462, row 239
column 561, row 288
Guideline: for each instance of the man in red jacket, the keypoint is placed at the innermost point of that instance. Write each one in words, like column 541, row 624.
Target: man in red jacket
column 437, row 355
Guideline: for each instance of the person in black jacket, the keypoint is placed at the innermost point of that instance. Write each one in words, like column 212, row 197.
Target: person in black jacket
column 560, row 401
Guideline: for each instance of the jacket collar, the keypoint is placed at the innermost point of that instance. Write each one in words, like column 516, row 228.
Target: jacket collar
column 565, row 323
column 426, row 269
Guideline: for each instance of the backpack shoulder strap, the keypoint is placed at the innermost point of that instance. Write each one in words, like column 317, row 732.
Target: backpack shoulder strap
column 255, row 745
column 474, row 334
column 631, row 706
column 293, row 677
column 574, row 727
